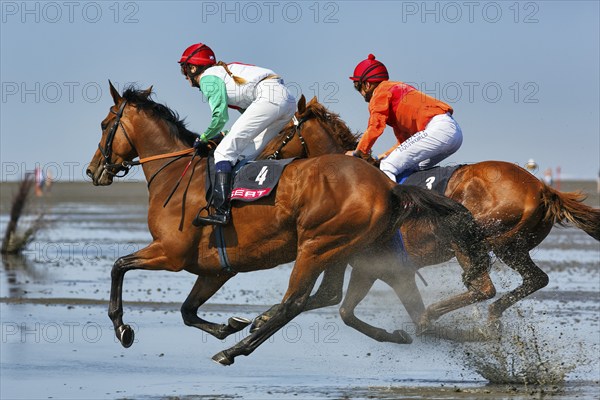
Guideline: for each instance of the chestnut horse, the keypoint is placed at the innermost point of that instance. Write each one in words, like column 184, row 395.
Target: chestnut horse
column 515, row 210
column 325, row 211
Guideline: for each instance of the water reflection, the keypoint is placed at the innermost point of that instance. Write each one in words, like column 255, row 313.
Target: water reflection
column 18, row 272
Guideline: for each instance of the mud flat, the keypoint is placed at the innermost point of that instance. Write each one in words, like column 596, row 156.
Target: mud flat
column 57, row 341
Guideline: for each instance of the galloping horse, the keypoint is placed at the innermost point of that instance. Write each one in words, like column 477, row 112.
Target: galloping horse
column 515, row 210
column 324, row 211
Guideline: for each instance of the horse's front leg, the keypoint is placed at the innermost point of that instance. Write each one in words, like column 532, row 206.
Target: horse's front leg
column 203, row 289
column 359, row 286
column 150, row 258
column 331, row 290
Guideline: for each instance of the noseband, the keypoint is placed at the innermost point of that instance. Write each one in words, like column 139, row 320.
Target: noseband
column 111, row 168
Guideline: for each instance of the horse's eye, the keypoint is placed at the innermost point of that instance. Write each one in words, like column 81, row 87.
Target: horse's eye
column 103, row 125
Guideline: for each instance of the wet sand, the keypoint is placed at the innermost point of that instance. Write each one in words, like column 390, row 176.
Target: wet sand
column 57, row 341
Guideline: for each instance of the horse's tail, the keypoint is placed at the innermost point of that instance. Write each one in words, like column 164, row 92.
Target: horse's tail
column 415, row 202
column 568, row 207
column 452, row 219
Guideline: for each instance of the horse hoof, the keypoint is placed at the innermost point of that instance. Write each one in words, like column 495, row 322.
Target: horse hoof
column 238, row 323
column 125, row 335
column 401, row 337
column 221, row 358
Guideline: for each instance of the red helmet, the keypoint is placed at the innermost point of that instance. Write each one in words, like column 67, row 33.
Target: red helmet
column 198, row 54
column 370, row 70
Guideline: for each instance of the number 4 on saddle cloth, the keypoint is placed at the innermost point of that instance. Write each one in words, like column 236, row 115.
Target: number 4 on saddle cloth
column 252, row 180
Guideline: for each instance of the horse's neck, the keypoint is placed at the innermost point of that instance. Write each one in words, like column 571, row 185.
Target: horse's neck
column 320, row 141
column 156, row 140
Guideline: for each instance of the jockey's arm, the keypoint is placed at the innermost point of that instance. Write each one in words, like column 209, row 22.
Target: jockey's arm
column 379, row 108
column 216, row 93
column 377, row 121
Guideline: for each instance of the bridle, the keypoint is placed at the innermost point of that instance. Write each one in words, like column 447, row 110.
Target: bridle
column 110, row 167
column 298, row 125
column 114, row 169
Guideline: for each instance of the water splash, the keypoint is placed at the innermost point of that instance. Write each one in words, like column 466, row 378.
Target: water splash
column 523, row 355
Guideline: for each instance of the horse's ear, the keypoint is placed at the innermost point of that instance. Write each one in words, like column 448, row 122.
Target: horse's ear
column 302, row 104
column 114, row 93
column 313, row 101
column 147, row 92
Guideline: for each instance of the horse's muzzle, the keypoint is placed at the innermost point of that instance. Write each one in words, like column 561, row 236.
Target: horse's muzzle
column 99, row 176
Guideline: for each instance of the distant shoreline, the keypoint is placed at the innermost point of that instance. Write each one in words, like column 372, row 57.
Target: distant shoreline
column 127, row 192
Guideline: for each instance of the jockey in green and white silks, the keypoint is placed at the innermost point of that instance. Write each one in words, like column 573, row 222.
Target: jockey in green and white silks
column 265, row 103
column 258, row 93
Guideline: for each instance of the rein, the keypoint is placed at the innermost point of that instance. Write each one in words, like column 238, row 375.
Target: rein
column 114, row 169
column 298, row 124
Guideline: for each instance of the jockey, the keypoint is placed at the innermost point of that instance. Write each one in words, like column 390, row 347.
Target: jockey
column 423, row 125
column 258, row 93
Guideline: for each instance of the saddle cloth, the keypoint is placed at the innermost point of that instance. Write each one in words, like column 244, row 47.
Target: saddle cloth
column 252, row 179
column 434, row 178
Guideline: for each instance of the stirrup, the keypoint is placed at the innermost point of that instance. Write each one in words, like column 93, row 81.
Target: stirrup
column 214, row 219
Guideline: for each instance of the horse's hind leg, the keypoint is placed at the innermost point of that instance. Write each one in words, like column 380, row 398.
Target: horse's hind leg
column 479, row 289
column 328, row 294
column 534, row 279
column 302, row 280
column 472, row 256
column 359, row 286
column 203, row 289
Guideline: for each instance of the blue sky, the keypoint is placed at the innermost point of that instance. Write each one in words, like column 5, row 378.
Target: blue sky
column 523, row 77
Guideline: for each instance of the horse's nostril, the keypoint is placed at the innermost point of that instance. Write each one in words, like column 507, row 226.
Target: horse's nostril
column 89, row 173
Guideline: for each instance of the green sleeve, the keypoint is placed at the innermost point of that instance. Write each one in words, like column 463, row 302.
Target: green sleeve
column 216, row 93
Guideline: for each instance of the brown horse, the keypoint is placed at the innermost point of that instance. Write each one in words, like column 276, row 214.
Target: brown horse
column 324, row 211
column 515, row 210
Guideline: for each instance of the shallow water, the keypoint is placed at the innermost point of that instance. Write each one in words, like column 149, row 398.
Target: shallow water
column 57, row 341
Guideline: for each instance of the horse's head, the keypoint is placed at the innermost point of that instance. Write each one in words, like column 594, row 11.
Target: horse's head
column 116, row 148
column 314, row 131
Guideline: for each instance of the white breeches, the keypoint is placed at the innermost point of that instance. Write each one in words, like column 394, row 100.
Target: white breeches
column 272, row 109
column 441, row 138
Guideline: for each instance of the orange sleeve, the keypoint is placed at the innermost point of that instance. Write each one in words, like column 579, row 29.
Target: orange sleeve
column 378, row 109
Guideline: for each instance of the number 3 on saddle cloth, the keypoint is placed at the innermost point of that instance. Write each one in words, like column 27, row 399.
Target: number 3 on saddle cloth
column 252, row 180
column 434, row 179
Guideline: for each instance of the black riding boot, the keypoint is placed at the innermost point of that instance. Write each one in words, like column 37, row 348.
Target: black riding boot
column 221, row 201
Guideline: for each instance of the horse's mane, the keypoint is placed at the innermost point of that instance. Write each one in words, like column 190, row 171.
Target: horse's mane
column 177, row 127
column 340, row 132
